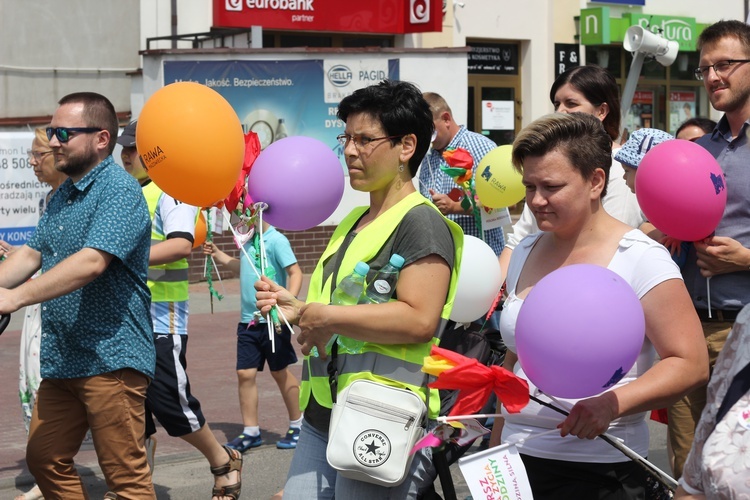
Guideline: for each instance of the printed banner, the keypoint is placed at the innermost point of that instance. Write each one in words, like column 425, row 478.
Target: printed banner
column 496, row 474
column 20, row 191
column 276, row 99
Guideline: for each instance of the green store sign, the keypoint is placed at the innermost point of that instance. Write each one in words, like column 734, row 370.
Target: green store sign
column 598, row 28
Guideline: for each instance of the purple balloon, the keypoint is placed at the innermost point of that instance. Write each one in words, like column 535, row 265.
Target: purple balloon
column 579, row 331
column 300, row 178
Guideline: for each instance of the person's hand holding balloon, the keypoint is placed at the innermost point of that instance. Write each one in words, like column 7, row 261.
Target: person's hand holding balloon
column 445, row 203
column 720, row 255
column 672, row 244
column 590, row 417
column 269, row 294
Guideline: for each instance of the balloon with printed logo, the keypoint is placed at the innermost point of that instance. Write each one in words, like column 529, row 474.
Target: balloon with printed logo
column 191, row 142
column 579, row 331
column 498, row 184
column 479, row 281
column 300, row 179
column 681, row 189
column 201, row 230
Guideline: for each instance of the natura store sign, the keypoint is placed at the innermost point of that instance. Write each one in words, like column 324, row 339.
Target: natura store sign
column 382, row 17
column 598, row 28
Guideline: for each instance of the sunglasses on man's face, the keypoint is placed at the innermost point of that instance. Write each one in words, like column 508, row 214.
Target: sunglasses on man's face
column 64, row 134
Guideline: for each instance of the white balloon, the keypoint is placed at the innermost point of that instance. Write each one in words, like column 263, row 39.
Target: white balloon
column 479, row 281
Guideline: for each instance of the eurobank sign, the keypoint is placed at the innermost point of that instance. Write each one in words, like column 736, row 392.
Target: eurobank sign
column 381, row 17
column 598, row 28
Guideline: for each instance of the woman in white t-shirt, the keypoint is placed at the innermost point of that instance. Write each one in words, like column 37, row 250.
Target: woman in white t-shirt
column 565, row 160
column 592, row 90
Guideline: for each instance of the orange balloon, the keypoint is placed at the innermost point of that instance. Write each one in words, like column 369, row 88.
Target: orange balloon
column 201, row 230
column 191, row 142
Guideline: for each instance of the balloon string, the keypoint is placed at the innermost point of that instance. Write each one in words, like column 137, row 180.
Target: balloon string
column 272, row 317
column 210, row 264
column 472, row 194
column 252, row 265
column 708, row 295
column 450, row 418
column 650, row 468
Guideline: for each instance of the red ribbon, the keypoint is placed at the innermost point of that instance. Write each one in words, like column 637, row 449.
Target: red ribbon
column 475, row 381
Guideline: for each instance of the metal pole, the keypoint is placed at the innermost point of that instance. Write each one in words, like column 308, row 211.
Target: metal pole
column 630, row 84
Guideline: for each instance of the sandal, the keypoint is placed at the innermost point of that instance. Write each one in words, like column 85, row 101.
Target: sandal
column 33, row 494
column 234, row 464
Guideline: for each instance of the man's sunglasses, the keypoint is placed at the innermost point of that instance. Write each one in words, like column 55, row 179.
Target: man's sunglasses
column 63, row 134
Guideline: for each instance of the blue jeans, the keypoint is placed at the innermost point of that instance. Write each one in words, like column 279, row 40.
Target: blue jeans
column 310, row 476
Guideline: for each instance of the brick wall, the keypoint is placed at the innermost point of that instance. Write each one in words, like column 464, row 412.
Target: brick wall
column 307, row 245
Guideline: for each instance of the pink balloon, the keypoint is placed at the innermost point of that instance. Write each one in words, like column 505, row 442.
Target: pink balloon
column 579, row 331
column 681, row 190
column 300, row 178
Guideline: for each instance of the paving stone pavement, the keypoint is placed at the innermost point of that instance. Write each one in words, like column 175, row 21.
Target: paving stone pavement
column 180, row 471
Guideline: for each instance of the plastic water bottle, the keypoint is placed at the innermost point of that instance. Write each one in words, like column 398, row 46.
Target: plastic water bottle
column 347, row 293
column 381, row 288
column 350, row 289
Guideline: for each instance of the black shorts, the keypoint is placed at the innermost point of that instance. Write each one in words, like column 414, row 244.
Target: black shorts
column 254, row 348
column 558, row 479
column 168, row 397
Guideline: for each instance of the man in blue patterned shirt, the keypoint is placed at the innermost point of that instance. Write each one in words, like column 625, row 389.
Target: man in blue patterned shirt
column 97, row 352
column 435, row 184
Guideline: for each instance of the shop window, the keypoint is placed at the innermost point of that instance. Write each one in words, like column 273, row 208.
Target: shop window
column 606, row 56
column 684, row 66
column 651, row 67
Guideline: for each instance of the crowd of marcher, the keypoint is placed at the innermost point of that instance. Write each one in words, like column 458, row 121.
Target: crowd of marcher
column 104, row 340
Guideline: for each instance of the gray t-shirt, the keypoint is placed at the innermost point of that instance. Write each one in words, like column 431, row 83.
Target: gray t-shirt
column 422, row 232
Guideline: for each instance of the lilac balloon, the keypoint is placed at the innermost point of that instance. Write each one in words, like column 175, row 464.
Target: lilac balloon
column 300, row 178
column 579, row 331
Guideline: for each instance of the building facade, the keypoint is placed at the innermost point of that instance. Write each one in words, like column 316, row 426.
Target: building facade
column 493, row 60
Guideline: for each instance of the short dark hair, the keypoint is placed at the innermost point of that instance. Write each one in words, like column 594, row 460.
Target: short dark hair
column 707, row 125
column 400, row 108
column 598, row 86
column 98, row 112
column 579, row 136
column 723, row 29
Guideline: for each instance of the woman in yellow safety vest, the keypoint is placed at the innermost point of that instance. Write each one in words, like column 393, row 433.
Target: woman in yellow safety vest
column 388, row 130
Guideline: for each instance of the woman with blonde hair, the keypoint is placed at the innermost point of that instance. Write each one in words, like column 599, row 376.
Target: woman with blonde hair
column 42, row 160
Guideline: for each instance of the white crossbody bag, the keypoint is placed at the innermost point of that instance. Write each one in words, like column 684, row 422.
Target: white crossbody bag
column 373, row 428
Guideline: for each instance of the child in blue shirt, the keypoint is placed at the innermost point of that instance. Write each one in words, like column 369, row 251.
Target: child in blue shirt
column 254, row 347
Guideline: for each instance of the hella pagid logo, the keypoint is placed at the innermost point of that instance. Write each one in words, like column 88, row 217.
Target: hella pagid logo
column 340, row 75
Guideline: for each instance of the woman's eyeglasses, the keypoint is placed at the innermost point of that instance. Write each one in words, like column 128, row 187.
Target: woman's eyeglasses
column 63, row 134
column 38, row 155
column 361, row 141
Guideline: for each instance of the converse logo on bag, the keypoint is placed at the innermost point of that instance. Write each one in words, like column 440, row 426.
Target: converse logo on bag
column 372, row 448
